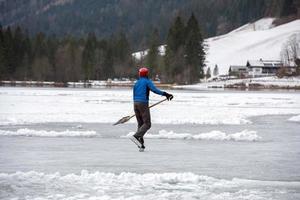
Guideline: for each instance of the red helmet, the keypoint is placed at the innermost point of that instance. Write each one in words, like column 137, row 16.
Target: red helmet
column 143, row 72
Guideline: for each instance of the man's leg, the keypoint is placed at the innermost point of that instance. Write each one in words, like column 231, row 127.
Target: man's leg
column 145, row 113
column 138, row 116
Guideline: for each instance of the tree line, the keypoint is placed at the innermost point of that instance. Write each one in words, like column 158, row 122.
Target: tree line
column 49, row 58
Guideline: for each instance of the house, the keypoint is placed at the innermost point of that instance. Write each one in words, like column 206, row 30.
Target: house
column 238, row 70
column 261, row 67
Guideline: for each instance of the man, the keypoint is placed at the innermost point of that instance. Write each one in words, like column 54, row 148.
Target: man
column 141, row 92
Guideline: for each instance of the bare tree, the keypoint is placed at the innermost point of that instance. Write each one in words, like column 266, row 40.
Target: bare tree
column 290, row 51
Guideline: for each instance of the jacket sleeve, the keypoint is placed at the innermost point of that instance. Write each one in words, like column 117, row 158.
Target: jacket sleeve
column 152, row 87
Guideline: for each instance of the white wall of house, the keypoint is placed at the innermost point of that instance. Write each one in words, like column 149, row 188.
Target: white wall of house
column 255, row 71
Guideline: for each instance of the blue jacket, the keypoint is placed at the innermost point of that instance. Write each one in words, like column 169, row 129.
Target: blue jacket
column 142, row 88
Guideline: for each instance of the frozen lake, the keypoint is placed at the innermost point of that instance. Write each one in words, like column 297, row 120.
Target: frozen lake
column 60, row 144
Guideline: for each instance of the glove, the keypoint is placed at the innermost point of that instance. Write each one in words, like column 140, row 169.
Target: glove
column 169, row 96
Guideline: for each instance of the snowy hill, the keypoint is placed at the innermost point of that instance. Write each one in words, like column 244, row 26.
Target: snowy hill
column 249, row 42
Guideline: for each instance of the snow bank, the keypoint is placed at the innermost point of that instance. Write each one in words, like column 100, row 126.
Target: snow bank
column 295, row 118
column 267, row 82
column 125, row 186
column 244, row 135
column 44, row 133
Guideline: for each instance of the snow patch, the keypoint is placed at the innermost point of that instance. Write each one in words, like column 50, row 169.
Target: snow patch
column 295, row 118
column 44, row 133
column 260, row 25
column 216, row 135
column 100, row 185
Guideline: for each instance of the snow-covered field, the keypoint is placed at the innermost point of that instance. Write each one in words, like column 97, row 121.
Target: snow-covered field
column 59, row 143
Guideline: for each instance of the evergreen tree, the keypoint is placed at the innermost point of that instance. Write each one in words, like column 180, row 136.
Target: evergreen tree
column 152, row 58
column 52, row 47
column 2, row 66
column 23, row 54
column 194, row 51
column 122, row 55
column 208, row 73
column 41, row 69
column 8, row 54
column 18, row 48
column 174, row 58
column 108, row 63
column 288, row 8
column 216, row 71
column 28, row 58
column 122, row 48
column 88, row 56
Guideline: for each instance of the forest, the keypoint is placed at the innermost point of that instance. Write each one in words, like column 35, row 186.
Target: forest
column 45, row 58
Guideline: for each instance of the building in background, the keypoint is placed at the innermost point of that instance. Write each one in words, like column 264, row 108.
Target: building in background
column 260, row 68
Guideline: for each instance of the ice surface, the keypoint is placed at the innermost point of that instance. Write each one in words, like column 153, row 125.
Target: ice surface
column 40, row 105
column 45, row 133
column 197, row 158
column 244, row 135
column 99, row 185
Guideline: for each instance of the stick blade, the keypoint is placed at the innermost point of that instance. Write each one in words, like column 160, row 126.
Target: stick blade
column 122, row 120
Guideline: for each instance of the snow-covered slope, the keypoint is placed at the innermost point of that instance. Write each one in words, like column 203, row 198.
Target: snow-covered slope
column 249, row 42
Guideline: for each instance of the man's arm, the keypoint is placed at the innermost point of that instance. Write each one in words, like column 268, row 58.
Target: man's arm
column 154, row 89
column 157, row 91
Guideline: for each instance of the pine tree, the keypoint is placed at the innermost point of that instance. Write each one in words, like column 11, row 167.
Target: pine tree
column 18, row 47
column 194, row 51
column 122, row 55
column 28, row 58
column 174, row 58
column 88, row 56
column 216, row 71
column 152, row 58
column 288, row 8
column 8, row 54
column 108, row 63
column 52, row 46
column 41, row 68
column 208, row 73
column 2, row 66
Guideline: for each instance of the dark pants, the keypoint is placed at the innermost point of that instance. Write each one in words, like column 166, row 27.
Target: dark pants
column 143, row 118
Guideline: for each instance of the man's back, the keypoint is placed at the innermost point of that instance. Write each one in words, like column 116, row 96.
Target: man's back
column 142, row 88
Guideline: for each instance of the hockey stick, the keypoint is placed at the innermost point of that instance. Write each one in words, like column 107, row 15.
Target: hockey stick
column 127, row 118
